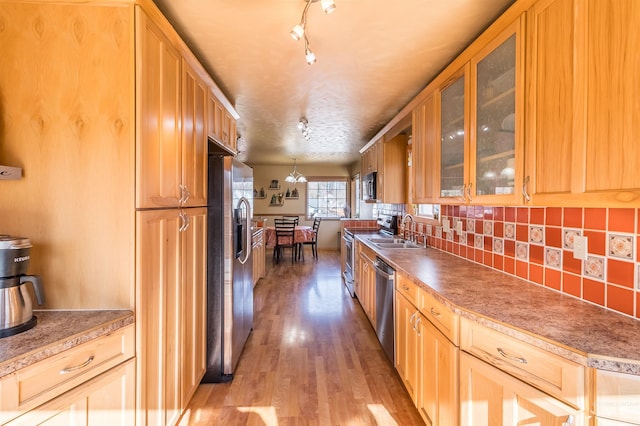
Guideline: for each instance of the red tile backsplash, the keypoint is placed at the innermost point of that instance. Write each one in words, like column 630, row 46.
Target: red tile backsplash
column 620, row 299
column 610, row 278
column 573, row 217
column 622, row 220
column 595, row 219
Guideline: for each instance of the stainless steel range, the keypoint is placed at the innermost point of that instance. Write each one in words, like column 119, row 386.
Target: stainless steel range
column 387, row 225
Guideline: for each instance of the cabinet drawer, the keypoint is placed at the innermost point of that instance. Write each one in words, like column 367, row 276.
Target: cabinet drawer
column 617, row 397
column 46, row 379
column 408, row 288
column 550, row 373
column 442, row 317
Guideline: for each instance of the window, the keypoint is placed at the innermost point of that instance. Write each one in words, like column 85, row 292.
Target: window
column 327, row 198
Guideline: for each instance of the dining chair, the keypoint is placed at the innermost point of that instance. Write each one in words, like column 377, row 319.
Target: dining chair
column 285, row 238
column 314, row 242
column 296, row 219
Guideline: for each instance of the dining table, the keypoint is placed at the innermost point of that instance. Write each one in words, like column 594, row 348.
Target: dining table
column 302, row 234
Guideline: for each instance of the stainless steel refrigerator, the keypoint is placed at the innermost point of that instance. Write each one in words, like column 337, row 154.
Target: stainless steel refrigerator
column 229, row 264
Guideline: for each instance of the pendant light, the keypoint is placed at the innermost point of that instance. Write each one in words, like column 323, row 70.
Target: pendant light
column 295, row 177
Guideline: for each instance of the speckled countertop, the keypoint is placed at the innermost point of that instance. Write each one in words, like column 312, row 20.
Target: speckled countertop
column 55, row 332
column 586, row 333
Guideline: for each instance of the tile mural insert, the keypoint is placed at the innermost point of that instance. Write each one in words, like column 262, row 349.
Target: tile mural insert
column 568, row 235
column 536, row 235
column 621, row 246
column 594, row 267
column 510, row 231
column 522, row 251
column 553, row 258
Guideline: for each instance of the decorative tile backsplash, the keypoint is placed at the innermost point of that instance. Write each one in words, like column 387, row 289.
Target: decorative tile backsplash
column 536, row 244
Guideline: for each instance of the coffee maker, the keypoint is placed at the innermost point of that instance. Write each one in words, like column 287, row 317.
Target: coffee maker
column 16, row 306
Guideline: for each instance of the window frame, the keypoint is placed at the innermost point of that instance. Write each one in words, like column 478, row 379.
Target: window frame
column 347, row 201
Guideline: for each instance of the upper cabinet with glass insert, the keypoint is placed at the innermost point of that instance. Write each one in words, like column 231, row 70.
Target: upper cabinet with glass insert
column 454, row 136
column 481, row 144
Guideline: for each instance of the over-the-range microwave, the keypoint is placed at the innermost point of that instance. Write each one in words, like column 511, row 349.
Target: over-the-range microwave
column 369, row 186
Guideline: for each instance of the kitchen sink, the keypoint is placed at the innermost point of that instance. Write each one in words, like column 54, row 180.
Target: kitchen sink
column 386, row 240
column 403, row 245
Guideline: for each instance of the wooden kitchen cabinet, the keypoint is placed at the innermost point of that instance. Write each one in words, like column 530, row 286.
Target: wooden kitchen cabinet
column 369, row 159
column 490, row 397
column 171, row 341
column 158, row 150
column 426, row 360
column 258, row 256
column 617, row 398
column 106, row 399
column 481, row 146
column 408, row 342
column 392, row 168
column 194, row 156
column 424, row 145
column 221, row 125
column 438, row 382
column 557, row 376
column 366, row 282
column 46, row 381
column 581, row 103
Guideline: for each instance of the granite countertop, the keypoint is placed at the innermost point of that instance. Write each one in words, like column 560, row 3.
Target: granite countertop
column 55, row 332
column 588, row 334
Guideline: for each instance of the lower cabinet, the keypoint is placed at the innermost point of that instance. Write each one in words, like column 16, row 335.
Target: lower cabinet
column 427, row 362
column 366, row 287
column 258, row 258
column 108, row 399
column 408, row 337
column 617, row 398
column 489, row 396
column 170, row 311
column 438, row 383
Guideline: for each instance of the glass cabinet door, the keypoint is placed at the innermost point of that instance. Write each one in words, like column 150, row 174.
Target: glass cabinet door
column 495, row 121
column 452, row 139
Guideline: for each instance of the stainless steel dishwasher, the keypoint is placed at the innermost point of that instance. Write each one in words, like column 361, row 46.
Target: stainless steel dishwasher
column 385, row 278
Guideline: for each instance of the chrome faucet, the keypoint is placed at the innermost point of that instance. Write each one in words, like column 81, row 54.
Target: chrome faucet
column 412, row 233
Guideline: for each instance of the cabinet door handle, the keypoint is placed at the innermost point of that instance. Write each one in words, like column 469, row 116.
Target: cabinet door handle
column 525, row 194
column 77, row 367
column 411, row 320
column 569, row 421
column 464, row 193
column 511, row 357
column 435, row 313
column 416, row 328
column 469, row 192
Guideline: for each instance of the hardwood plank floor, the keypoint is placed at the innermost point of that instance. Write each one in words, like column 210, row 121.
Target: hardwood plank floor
column 312, row 359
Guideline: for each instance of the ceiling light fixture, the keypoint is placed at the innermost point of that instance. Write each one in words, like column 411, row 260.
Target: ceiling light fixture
column 300, row 30
column 295, row 177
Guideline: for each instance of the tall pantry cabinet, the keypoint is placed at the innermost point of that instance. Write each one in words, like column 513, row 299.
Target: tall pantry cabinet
column 171, row 218
column 105, row 109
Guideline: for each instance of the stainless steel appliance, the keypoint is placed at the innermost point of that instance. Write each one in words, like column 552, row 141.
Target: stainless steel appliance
column 349, row 260
column 16, row 305
column 229, row 263
column 369, row 186
column 385, row 278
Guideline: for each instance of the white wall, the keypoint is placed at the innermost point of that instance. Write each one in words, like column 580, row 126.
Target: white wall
column 263, row 175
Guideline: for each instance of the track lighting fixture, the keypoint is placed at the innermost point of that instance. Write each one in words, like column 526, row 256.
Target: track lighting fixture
column 300, row 30
column 303, row 126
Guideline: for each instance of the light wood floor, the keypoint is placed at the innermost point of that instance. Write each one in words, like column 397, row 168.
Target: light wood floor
column 312, row 359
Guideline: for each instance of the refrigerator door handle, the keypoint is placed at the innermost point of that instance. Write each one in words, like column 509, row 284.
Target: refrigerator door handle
column 244, row 205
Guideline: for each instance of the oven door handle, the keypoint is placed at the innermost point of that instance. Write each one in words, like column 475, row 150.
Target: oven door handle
column 387, row 276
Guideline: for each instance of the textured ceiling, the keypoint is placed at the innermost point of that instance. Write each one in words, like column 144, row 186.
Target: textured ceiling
column 374, row 56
